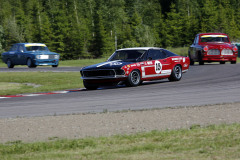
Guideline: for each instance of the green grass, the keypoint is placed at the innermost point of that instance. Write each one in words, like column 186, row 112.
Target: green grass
column 212, row 142
column 68, row 63
column 182, row 51
column 80, row 62
column 16, row 83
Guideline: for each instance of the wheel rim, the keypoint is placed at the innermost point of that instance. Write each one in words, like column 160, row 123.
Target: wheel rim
column 29, row 63
column 178, row 72
column 135, row 77
column 9, row 63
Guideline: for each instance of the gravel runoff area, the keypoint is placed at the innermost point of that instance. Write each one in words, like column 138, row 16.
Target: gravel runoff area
column 32, row 129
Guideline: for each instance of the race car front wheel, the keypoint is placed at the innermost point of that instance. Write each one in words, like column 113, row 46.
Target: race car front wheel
column 30, row 63
column 90, row 86
column 176, row 74
column 134, row 78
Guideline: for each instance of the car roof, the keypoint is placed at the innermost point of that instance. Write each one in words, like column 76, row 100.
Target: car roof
column 138, row 48
column 212, row 34
column 31, row 43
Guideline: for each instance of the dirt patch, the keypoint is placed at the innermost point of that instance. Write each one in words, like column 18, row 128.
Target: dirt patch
column 107, row 124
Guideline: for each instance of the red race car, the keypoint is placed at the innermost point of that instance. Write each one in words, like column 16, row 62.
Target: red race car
column 212, row 47
column 134, row 65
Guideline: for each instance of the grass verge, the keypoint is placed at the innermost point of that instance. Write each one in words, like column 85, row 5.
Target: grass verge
column 31, row 82
column 212, row 142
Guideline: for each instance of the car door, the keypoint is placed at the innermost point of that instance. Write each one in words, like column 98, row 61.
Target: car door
column 20, row 55
column 12, row 53
column 156, row 65
column 193, row 48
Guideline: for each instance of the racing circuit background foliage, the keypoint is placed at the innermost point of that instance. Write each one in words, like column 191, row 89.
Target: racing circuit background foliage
column 93, row 28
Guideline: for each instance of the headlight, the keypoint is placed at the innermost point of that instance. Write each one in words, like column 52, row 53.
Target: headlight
column 42, row 56
column 56, row 56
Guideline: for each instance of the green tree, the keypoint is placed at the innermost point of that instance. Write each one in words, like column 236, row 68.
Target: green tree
column 208, row 19
column 1, row 39
column 173, row 28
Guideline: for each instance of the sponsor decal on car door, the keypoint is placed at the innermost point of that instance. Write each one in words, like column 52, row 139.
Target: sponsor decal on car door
column 158, row 64
column 155, row 68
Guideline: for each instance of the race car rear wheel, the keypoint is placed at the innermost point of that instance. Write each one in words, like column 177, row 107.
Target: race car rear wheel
column 90, row 86
column 222, row 62
column 176, row 74
column 233, row 62
column 9, row 64
column 134, row 78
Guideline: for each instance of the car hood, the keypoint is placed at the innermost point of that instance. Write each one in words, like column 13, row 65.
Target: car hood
column 42, row 52
column 219, row 45
column 108, row 65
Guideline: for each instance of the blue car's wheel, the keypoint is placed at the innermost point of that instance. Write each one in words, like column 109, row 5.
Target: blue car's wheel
column 30, row 64
column 9, row 63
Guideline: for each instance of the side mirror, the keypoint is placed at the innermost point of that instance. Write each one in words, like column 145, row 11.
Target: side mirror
column 149, row 58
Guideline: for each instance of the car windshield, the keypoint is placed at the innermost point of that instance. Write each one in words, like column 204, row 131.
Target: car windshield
column 127, row 55
column 214, row 38
column 36, row 48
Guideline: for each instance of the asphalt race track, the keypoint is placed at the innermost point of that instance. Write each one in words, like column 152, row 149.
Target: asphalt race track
column 201, row 85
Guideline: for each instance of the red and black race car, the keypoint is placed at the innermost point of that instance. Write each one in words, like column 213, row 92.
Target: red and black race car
column 132, row 66
column 212, row 47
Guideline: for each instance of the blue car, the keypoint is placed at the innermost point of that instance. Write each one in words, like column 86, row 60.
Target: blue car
column 30, row 54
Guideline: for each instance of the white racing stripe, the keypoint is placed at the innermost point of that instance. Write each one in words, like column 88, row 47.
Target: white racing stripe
column 163, row 73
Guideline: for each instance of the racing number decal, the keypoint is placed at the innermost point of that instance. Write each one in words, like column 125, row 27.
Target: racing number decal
column 158, row 67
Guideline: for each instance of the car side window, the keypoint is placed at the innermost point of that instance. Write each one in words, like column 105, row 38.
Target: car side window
column 14, row 47
column 156, row 54
column 196, row 40
column 20, row 48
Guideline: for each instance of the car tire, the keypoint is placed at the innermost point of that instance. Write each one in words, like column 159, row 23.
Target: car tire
column 176, row 74
column 10, row 64
column 191, row 60
column 200, row 61
column 30, row 64
column 54, row 65
column 233, row 62
column 222, row 62
column 90, row 86
column 134, row 79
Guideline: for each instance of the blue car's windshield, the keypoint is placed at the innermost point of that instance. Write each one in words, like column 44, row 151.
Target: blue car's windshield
column 127, row 55
column 36, row 48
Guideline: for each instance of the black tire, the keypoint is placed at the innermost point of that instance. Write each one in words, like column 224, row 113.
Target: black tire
column 30, row 63
column 134, row 79
column 222, row 62
column 233, row 62
column 10, row 64
column 191, row 60
column 176, row 74
column 54, row 65
column 200, row 61
column 90, row 86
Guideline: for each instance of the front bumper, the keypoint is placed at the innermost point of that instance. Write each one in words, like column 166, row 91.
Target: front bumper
column 104, row 77
column 219, row 58
column 46, row 62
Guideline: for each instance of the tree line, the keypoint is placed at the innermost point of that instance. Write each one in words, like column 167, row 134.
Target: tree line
column 95, row 28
